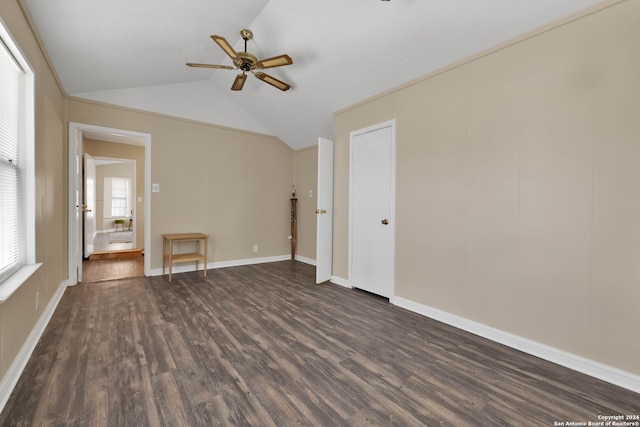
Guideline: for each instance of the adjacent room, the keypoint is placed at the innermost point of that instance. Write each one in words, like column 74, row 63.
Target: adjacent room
column 359, row 212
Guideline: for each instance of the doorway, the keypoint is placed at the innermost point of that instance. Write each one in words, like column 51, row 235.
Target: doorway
column 110, row 193
column 110, row 229
column 371, row 208
column 78, row 209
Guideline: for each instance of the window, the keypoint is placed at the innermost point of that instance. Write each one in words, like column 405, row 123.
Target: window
column 16, row 160
column 119, row 197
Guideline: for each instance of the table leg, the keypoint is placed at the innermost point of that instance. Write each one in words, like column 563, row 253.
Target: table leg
column 170, row 257
column 206, row 243
column 164, row 252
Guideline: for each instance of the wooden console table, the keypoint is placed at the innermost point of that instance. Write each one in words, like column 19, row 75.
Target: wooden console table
column 196, row 256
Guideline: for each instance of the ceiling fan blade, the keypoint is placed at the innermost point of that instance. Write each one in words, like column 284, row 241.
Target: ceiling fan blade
column 238, row 83
column 223, row 67
column 224, row 44
column 273, row 81
column 276, row 61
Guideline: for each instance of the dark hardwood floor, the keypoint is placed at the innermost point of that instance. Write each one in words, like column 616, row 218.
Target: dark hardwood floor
column 263, row 345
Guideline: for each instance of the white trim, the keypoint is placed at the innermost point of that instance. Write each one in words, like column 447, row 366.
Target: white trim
column 577, row 363
column 341, row 282
column 190, row 266
column 75, row 131
column 13, row 282
column 27, row 191
column 12, row 375
column 30, row 163
column 306, row 260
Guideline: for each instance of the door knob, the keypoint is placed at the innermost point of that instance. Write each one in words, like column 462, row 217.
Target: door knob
column 321, row 211
column 385, row 221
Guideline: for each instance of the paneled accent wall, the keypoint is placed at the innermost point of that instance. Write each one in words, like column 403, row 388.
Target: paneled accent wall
column 518, row 186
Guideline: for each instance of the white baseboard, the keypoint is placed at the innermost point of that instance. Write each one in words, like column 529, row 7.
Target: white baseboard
column 190, row 266
column 340, row 281
column 577, row 363
column 12, row 376
column 306, row 260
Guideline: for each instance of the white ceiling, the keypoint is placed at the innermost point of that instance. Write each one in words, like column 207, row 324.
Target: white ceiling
column 133, row 53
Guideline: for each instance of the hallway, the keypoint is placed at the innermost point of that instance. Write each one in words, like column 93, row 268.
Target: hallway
column 101, row 270
column 114, row 258
column 113, row 241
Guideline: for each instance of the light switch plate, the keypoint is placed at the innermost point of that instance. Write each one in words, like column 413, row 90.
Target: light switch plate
column 155, row 188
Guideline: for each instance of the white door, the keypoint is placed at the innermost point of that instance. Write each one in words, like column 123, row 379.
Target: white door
column 89, row 203
column 324, row 211
column 76, row 222
column 371, row 192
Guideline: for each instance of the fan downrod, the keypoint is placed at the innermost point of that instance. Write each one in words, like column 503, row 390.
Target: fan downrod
column 247, row 61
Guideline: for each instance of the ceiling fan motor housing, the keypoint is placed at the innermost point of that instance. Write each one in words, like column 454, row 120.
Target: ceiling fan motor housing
column 245, row 61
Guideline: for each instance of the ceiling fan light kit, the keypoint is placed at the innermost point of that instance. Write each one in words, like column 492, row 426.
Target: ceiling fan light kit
column 248, row 63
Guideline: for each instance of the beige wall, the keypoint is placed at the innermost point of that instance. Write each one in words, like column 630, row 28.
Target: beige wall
column 517, row 187
column 121, row 151
column 230, row 184
column 306, row 179
column 18, row 315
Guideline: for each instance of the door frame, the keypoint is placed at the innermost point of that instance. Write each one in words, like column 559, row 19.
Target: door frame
column 392, row 211
column 132, row 163
column 75, row 221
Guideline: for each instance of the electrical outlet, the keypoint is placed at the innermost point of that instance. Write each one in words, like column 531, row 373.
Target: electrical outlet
column 37, row 300
column 255, row 248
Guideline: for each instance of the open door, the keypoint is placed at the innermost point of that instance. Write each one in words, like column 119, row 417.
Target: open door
column 76, row 209
column 89, row 206
column 324, row 211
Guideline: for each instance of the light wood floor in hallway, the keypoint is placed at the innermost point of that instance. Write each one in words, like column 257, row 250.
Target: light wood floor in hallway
column 262, row 345
column 109, row 269
column 115, row 261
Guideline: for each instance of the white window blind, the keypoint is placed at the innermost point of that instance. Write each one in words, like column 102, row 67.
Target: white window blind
column 12, row 96
column 119, row 197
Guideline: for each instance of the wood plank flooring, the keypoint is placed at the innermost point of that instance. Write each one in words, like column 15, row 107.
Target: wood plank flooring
column 113, row 267
column 262, row 345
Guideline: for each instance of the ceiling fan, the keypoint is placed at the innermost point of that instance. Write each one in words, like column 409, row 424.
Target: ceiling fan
column 247, row 62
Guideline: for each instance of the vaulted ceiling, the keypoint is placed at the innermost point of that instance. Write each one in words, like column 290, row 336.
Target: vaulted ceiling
column 133, row 53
